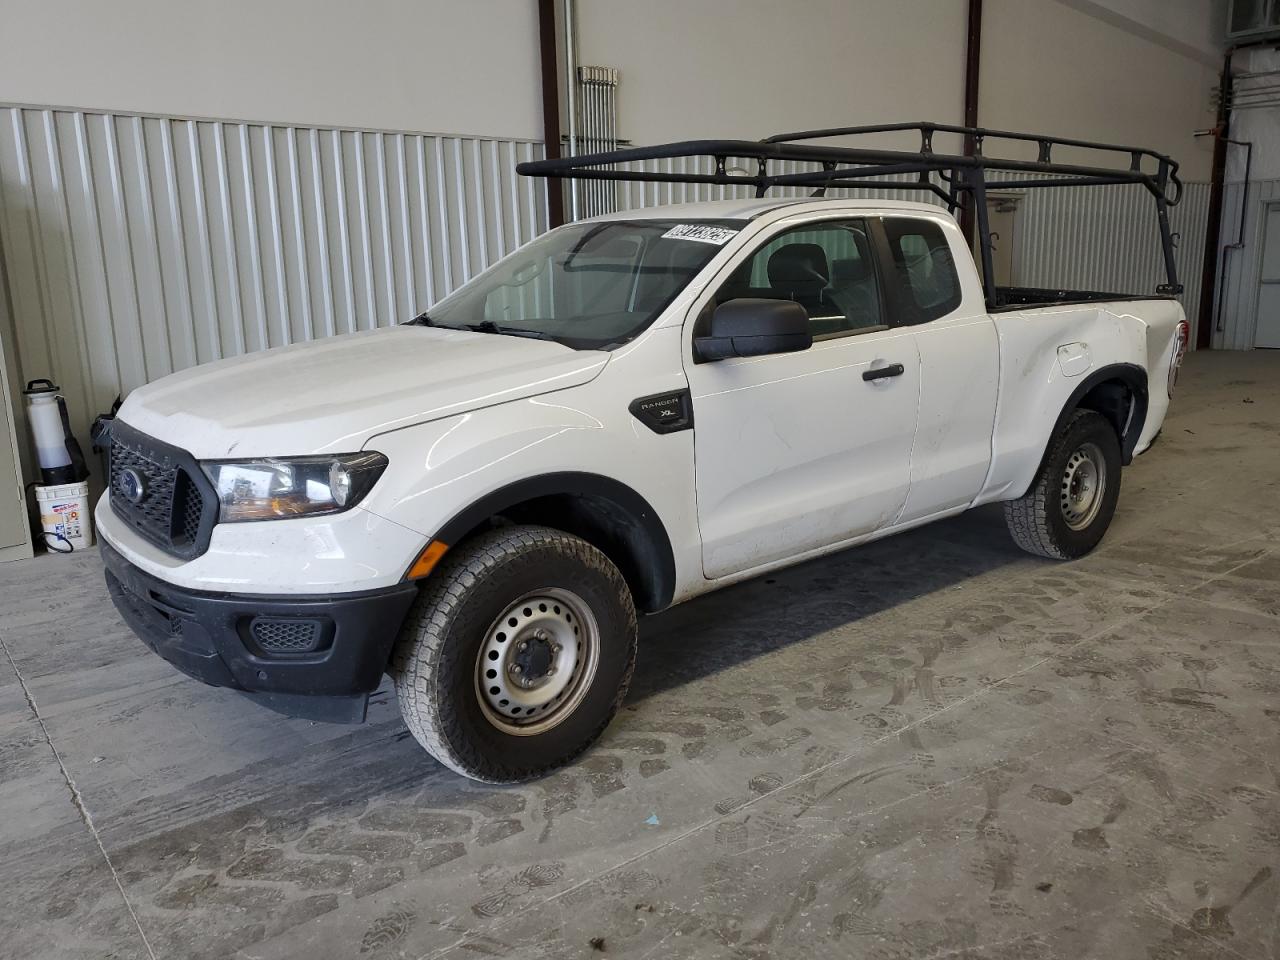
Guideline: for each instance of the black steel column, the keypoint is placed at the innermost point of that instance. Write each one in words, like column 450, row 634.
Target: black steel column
column 978, row 192
column 972, row 70
column 548, row 49
column 1213, row 226
column 1166, row 234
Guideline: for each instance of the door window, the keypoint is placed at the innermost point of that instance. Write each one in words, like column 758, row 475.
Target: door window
column 827, row 268
column 925, row 273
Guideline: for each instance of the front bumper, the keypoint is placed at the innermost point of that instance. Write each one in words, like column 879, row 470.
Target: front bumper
column 341, row 553
column 222, row 639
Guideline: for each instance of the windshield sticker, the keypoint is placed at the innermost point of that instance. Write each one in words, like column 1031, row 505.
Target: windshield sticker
column 701, row 233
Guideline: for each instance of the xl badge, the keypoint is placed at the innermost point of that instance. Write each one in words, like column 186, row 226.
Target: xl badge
column 131, row 485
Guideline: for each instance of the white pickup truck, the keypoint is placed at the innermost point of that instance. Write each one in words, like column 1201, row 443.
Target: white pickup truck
column 626, row 413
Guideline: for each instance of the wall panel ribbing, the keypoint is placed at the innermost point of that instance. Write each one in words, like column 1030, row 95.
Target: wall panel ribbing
column 135, row 246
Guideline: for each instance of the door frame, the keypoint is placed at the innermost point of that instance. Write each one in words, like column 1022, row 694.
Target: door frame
column 788, row 220
column 1260, row 231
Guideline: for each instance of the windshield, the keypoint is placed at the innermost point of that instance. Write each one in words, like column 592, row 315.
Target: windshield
column 588, row 285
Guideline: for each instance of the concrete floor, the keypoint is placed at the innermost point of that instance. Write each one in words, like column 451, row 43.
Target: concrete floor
column 931, row 747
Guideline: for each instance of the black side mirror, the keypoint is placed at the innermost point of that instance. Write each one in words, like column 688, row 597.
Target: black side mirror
column 750, row 327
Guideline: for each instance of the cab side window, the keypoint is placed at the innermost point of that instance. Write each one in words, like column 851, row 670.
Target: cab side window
column 924, row 271
column 827, row 268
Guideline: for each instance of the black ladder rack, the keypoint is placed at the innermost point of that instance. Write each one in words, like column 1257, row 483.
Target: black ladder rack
column 965, row 178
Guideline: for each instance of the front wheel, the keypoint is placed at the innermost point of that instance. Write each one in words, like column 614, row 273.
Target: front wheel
column 1070, row 505
column 517, row 654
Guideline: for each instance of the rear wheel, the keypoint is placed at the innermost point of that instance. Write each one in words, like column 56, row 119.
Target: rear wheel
column 517, row 654
column 1070, row 505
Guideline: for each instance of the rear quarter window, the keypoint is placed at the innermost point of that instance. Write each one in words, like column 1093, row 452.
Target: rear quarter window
column 928, row 286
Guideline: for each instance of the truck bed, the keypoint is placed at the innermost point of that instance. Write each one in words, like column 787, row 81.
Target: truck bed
column 1016, row 298
column 1132, row 333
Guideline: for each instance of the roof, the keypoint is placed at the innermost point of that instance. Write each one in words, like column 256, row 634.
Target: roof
column 752, row 208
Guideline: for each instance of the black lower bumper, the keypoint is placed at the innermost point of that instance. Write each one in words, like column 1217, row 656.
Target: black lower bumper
column 317, row 657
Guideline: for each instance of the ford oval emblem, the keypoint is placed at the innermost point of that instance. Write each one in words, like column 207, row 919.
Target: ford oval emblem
column 131, row 485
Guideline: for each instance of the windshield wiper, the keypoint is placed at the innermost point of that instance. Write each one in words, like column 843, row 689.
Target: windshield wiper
column 484, row 326
column 488, row 326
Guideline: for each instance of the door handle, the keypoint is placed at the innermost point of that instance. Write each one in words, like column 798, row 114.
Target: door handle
column 880, row 373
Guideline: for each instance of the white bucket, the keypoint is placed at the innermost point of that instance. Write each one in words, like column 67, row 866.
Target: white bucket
column 65, row 516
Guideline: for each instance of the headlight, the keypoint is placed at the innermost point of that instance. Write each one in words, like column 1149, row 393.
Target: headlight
column 273, row 489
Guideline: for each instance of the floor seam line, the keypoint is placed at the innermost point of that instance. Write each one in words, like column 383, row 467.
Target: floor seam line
column 77, row 800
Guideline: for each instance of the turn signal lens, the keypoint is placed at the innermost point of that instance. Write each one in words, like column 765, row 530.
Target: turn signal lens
column 427, row 560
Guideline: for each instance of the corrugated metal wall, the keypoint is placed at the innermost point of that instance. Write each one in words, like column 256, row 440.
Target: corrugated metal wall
column 135, row 246
column 1105, row 238
column 1237, row 306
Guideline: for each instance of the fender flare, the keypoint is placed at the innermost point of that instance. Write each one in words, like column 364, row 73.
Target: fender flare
column 1132, row 376
column 656, row 560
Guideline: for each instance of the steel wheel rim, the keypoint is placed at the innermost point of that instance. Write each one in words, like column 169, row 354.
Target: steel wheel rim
column 1083, row 483
column 527, row 690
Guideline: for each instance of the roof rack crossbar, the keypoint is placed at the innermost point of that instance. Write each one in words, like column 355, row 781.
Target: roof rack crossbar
column 807, row 177
column 592, row 167
column 1063, row 182
column 604, row 166
column 927, row 130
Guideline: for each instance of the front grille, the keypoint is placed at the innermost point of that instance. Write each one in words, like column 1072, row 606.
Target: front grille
column 287, row 636
column 188, row 506
column 156, row 489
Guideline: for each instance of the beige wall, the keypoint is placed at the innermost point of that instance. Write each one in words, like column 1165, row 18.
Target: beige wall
column 1198, row 26
column 1132, row 70
column 1053, row 67
column 748, row 68
column 1135, row 71
column 422, row 65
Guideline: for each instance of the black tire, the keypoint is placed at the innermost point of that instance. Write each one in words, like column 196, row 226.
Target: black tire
column 1045, row 520
column 437, row 664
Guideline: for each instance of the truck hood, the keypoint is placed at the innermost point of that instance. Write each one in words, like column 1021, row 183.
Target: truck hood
column 333, row 395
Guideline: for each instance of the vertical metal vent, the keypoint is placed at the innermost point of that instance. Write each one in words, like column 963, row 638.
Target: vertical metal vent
column 598, row 131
